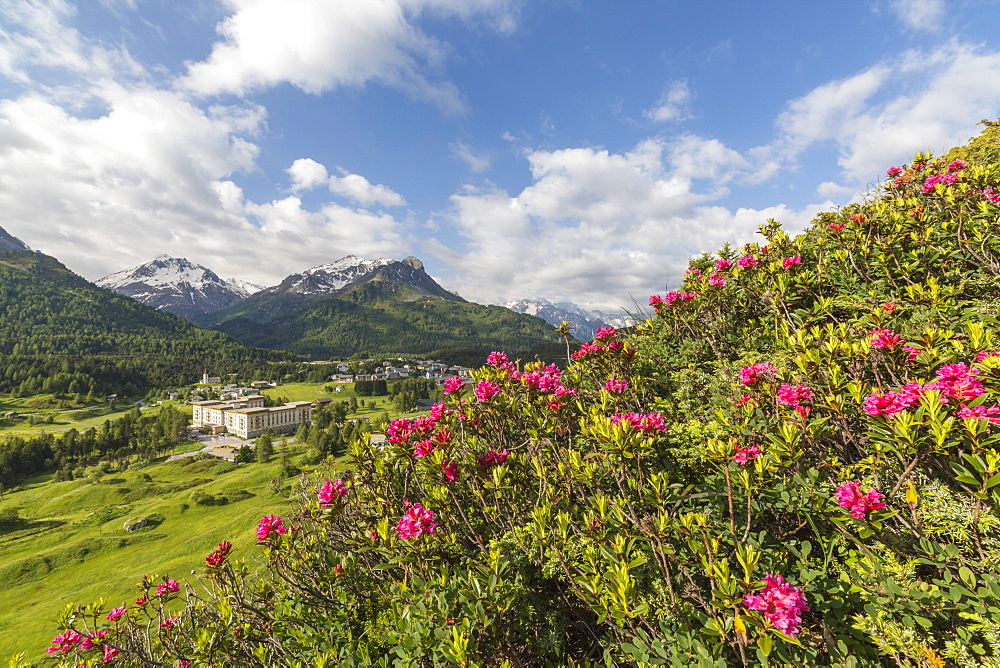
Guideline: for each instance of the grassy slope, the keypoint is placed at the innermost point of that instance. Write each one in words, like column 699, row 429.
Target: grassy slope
column 86, row 560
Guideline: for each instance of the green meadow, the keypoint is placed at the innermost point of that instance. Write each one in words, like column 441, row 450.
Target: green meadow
column 70, row 544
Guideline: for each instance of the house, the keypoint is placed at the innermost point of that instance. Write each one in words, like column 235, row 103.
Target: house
column 248, row 417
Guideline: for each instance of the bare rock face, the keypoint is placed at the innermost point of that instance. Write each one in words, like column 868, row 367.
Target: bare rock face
column 135, row 525
column 413, row 262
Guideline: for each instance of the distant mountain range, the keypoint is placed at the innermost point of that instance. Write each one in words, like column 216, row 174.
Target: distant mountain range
column 367, row 307
column 62, row 334
column 583, row 323
column 350, row 307
column 178, row 286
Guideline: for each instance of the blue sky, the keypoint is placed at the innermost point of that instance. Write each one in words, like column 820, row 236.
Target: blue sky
column 563, row 149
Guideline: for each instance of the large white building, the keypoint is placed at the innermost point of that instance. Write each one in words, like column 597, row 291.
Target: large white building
column 248, row 417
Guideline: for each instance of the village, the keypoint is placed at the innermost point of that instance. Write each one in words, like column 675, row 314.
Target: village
column 241, row 413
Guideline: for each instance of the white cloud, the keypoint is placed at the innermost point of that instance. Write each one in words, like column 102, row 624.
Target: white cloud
column 306, row 174
column 673, row 105
column 35, row 35
column 924, row 99
column 359, row 189
column 319, row 46
column 919, row 14
column 478, row 163
column 596, row 227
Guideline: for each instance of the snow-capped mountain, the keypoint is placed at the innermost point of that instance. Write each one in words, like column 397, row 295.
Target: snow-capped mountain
column 176, row 285
column 332, row 277
column 584, row 323
column 352, row 278
column 10, row 242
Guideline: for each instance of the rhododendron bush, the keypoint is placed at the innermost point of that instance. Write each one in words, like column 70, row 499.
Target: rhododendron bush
column 794, row 461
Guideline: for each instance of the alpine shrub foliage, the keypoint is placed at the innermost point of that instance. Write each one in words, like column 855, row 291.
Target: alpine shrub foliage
column 795, row 461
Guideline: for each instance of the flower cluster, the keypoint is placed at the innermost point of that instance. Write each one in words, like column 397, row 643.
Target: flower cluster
column 885, row 338
column 416, row 521
column 499, row 360
column 991, row 413
column 781, row 603
column 717, row 280
column 616, row 385
column 791, row 395
column 330, row 490
column 217, row 556
column 642, row 422
column 756, row 372
column 671, row 298
column 492, row 458
column 849, row 496
column 453, row 384
column 790, row 262
column 486, row 390
column 746, row 454
column 169, row 586
column 747, row 261
column 270, row 524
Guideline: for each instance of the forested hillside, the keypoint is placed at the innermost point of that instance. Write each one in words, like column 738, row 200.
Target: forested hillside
column 61, row 334
column 366, row 324
column 795, row 461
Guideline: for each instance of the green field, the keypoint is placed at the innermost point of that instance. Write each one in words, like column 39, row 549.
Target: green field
column 64, row 420
column 71, row 546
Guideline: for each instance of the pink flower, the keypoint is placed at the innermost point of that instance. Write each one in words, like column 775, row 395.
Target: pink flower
column 545, row 380
column 424, row 448
column 64, row 641
column 168, row 587
column 990, row 195
column 956, row 165
column 109, row 653
column 453, row 384
column 836, row 227
column 746, row 261
column 885, row 338
column 655, row 300
column 723, row 264
column 745, row 399
column 604, row 333
column 950, row 373
column 889, row 307
column 492, row 458
column 889, row 403
column 990, row 413
column 894, row 171
column 790, row 262
column 168, row 623
column 416, row 521
column 500, row 361
column 717, row 280
column 857, row 218
column 116, row 613
column 450, row 470
column 486, row 390
column 330, row 490
column 849, row 496
column 399, row 431
column 984, row 354
column 781, row 603
column 794, row 396
column 218, row 556
column 746, row 455
column 642, row 422
column 588, row 349
column 756, row 372
column 615, row 385
column 270, row 524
